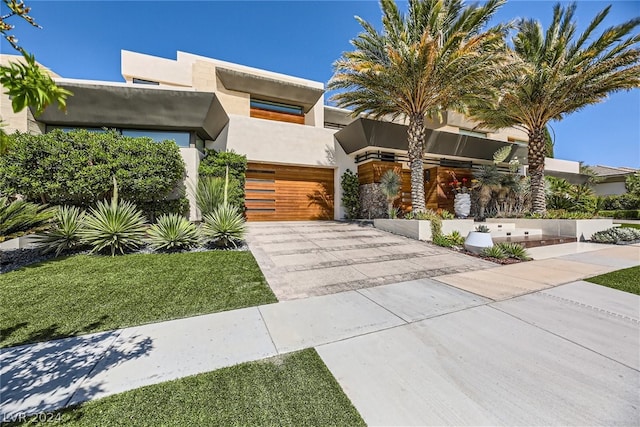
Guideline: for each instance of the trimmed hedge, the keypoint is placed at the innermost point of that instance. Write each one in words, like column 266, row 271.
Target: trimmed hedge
column 621, row 214
column 619, row 202
column 76, row 168
column 215, row 164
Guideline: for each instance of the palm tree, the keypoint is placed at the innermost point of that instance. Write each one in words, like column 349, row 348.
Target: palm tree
column 560, row 74
column 434, row 58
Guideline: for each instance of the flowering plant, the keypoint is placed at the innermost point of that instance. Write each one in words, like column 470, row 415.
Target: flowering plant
column 459, row 187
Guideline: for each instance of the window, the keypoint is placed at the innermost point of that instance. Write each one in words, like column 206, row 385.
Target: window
column 277, row 107
column 182, row 139
column 331, row 125
column 145, row 82
column 473, row 133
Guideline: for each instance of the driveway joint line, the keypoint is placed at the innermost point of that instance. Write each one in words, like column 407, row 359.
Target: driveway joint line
column 382, row 306
column 563, row 337
column 591, row 307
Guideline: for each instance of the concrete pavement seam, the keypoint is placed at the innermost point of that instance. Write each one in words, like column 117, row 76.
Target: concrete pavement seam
column 383, row 307
column 275, row 347
column 591, row 307
column 564, row 338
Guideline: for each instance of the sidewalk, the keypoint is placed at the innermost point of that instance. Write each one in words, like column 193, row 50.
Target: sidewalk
column 51, row 375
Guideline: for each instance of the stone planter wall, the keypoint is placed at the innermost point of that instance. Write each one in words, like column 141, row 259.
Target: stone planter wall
column 421, row 229
column 18, row 243
column 582, row 229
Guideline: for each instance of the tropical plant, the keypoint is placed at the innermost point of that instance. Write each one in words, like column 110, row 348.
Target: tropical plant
column 616, row 235
column 449, row 240
column 514, row 250
column 116, row 225
column 446, row 215
column 488, row 181
column 433, row 58
column 562, row 195
column 559, row 73
column 482, row 229
column 224, row 226
column 632, row 184
column 222, row 163
column 20, row 216
column 350, row 194
column 494, row 251
column 173, row 232
column 65, row 234
column 390, row 184
column 209, row 193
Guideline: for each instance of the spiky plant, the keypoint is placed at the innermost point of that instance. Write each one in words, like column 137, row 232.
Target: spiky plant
column 19, row 215
column 494, row 251
column 435, row 57
column 116, row 225
column 66, row 232
column 487, row 183
column 390, row 184
column 173, row 232
column 209, row 193
column 560, row 73
column 514, row 250
column 224, row 226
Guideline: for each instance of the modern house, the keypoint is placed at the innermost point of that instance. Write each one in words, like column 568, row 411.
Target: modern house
column 611, row 180
column 297, row 147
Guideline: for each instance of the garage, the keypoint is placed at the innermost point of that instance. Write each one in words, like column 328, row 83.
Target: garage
column 288, row 193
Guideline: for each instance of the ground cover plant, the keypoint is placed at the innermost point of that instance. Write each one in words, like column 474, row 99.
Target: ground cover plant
column 295, row 389
column 88, row 293
column 617, row 235
column 627, row 280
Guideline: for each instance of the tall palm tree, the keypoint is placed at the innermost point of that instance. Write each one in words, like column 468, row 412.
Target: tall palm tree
column 560, row 74
column 436, row 57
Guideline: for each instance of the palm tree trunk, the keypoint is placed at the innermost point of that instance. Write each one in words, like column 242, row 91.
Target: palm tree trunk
column 536, row 156
column 416, row 144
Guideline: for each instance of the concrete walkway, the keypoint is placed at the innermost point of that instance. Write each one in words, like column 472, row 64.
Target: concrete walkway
column 301, row 259
column 412, row 353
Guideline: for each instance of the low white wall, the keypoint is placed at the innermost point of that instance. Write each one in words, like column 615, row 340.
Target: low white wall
column 18, row 243
column 582, row 229
column 421, row 229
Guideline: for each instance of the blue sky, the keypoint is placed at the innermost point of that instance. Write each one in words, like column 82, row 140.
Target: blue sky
column 83, row 39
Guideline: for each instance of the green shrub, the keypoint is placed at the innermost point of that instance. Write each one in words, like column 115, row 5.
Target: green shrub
column 616, row 235
column 449, row 240
column 627, row 214
column 446, row 215
column 224, row 226
column 65, row 234
column 482, row 229
column 632, row 185
column 21, row 216
column 494, row 252
column 350, row 194
column 514, row 250
column 116, row 225
column 619, row 202
column 173, row 232
column 209, row 193
column 155, row 209
column 215, row 163
column 562, row 195
column 75, row 168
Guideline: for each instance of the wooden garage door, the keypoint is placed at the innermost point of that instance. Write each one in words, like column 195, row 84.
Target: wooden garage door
column 288, row 193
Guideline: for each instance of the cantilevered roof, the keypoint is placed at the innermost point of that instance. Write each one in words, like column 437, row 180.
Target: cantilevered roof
column 270, row 89
column 127, row 106
column 364, row 133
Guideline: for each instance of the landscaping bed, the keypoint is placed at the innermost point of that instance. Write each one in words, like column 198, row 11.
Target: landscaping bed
column 296, row 389
column 82, row 294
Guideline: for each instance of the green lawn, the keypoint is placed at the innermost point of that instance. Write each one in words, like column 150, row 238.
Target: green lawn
column 291, row 390
column 630, row 225
column 627, row 280
column 83, row 294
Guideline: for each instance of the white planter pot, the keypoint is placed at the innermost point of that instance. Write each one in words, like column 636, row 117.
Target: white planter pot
column 477, row 241
column 462, row 205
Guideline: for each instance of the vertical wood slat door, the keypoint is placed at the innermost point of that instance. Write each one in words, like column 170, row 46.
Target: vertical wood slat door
column 288, row 193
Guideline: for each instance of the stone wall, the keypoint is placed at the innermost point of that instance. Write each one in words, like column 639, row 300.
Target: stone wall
column 373, row 204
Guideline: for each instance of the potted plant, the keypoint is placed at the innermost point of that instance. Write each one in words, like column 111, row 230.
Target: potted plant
column 462, row 198
column 478, row 240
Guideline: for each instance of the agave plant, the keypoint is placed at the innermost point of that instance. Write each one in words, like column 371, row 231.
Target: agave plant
column 390, row 184
column 494, row 252
column 20, row 215
column 514, row 250
column 66, row 232
column 224, row 226
column 173, row 232
column 210, row 193
column 117, row 225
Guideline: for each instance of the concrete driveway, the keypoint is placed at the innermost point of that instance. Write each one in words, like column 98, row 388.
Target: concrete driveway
column 301, row 259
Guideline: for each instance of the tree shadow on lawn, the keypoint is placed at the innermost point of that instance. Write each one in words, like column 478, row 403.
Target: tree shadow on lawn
column 45, row 376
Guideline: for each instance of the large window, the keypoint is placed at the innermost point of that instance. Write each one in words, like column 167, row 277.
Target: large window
column 473, row 133
column 180, row 138
column 276, row 106
column 145, row 82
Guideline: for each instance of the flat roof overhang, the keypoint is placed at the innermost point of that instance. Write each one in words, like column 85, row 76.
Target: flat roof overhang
column 572, row 178
column 122, row 106
column 363, row 133
column 270, row 89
